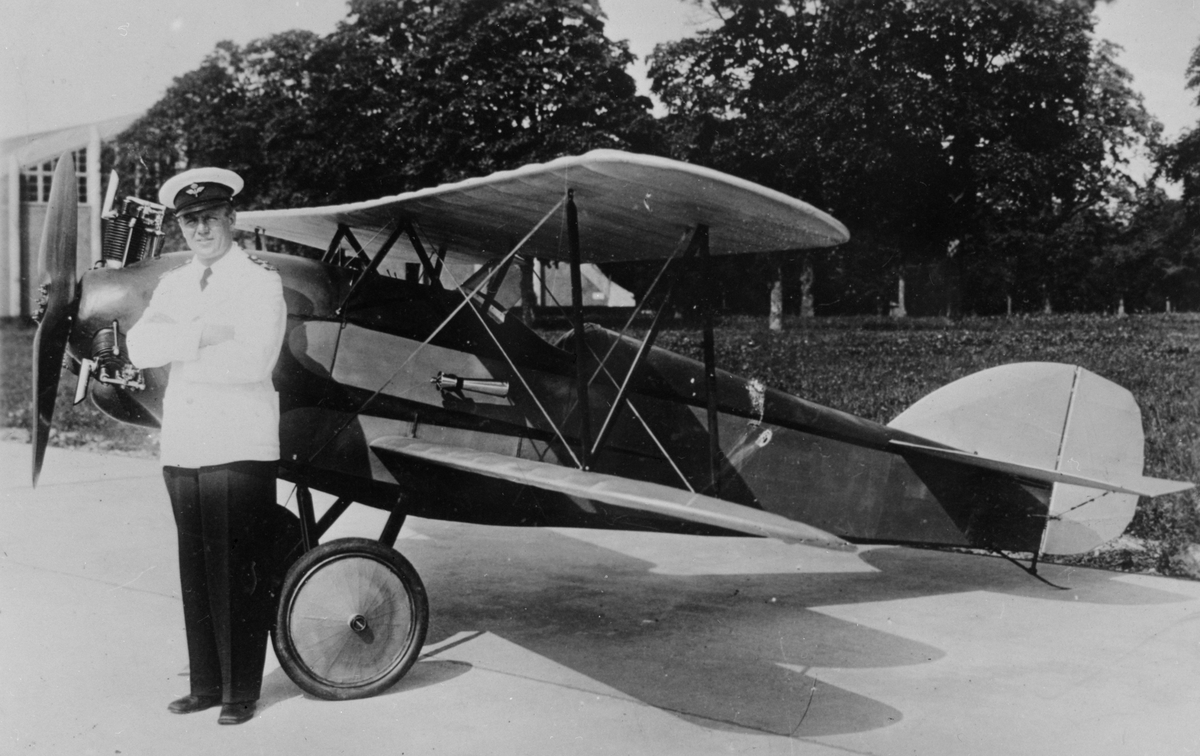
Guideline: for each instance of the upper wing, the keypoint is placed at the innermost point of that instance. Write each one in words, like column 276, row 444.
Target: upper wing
column 610, row 490
column 631, row 207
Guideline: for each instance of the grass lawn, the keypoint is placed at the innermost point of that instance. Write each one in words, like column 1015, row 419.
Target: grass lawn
column 874, row 368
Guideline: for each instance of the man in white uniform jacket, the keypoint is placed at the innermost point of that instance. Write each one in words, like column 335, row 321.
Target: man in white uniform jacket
column 219, row 322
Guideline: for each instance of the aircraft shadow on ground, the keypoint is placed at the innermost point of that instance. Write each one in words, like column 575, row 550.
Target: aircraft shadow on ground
column 907, row 572
column 727, row 652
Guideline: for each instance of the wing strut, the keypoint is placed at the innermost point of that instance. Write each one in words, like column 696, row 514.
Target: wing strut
column 493, row 288
column 684, row 243
column 445, row 321
column 372, row 265
column 601, row 363
column 432, row 274
column 710, row 362
column 440, row 254
column 335, row 255
column 581, row 379
column 512, row 365
column 643, row 350
column 334, row 250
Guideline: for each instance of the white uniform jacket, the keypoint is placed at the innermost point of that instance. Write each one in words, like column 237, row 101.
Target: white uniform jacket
column 220, row 404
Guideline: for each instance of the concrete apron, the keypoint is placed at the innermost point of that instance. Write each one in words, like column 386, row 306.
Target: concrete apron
column 581, row 642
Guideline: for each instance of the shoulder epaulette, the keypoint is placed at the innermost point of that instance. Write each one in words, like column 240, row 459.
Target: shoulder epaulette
column 175, row 269
column 261, row 262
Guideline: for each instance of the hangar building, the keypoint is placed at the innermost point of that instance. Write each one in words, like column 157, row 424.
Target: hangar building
column 27, row 164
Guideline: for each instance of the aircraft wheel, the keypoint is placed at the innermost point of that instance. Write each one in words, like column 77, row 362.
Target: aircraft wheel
column 351, row 620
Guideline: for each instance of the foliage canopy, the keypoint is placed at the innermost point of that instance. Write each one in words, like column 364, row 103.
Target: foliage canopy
column 404, row 94
column 933, row 129
column 983, row 143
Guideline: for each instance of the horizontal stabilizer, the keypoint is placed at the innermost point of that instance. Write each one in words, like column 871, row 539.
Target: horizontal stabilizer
column 611, row 490
column 1130, row 484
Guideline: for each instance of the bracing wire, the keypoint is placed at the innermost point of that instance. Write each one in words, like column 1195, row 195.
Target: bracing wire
column 517, row 372
column 445, row 321
column 603, row 366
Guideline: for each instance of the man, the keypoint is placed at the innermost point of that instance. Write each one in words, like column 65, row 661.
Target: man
column 218, row 321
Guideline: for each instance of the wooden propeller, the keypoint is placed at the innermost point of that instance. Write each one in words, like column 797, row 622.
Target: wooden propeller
column 57, row 302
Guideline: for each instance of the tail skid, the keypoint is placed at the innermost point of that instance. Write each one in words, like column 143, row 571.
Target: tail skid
column 1050, row 423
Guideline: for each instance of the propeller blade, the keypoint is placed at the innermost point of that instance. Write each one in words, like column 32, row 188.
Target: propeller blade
column 56, row 308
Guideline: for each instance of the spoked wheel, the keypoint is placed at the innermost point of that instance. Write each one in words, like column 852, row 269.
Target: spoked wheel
column 351, row 620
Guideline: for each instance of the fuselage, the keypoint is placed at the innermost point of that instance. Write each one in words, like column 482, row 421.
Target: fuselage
column 355, row 367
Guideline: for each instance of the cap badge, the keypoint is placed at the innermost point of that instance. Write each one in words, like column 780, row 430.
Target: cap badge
column 194, row 190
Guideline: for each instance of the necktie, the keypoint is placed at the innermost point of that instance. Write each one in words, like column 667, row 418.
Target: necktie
column 204, row 278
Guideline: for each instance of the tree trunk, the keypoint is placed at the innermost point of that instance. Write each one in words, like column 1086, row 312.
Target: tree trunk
column 527, row 296
column 775, row 319
column 952, row 274
column 898, row 309
column 806, row 288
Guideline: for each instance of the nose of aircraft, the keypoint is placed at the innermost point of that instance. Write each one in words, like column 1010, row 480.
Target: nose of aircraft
column 57, row 302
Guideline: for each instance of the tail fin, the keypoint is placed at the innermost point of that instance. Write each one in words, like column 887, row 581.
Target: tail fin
column 1058, row 424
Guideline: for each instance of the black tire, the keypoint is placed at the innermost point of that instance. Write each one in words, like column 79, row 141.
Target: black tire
column 351, row 620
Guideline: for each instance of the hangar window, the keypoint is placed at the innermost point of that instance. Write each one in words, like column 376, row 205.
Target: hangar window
column 35, row 179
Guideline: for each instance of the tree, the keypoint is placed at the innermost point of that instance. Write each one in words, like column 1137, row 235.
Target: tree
column 934, row 125
column 1181, row 160
column 404, row 94
column 1166, row 233
column 238, row 110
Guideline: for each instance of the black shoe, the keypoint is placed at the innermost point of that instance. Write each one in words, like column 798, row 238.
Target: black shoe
column 236, row 713
column 191, row 703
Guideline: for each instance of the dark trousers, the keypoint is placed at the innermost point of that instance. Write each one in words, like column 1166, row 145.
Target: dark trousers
column 225, row 517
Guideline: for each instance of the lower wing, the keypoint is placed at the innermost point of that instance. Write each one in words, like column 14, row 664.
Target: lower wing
column 607, row 490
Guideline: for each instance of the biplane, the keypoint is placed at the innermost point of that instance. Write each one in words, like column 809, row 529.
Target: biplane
column 423, row 395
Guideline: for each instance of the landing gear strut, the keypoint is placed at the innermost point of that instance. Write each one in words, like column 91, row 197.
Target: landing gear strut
column 352, row 613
